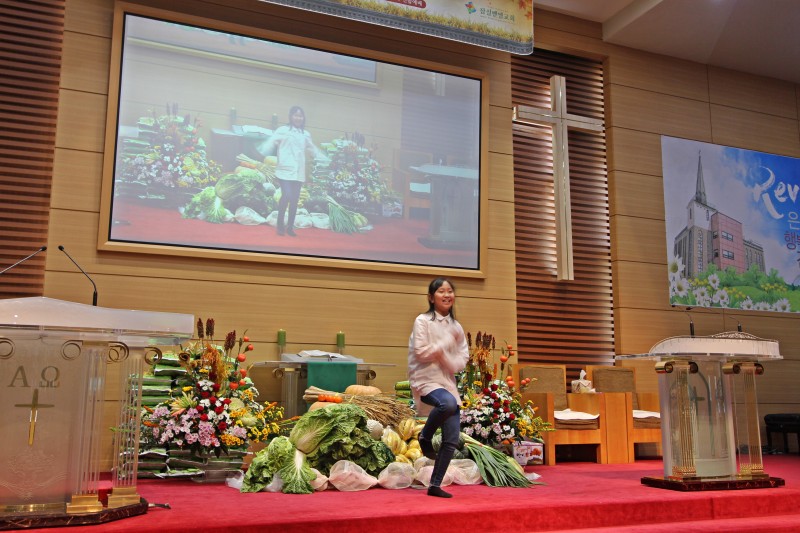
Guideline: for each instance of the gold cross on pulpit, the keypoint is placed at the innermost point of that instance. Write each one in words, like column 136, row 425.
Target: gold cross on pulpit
column 560, row 121
column 34, row 406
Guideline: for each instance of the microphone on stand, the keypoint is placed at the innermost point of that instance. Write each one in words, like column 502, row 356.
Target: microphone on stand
column 94, row 296
column 42, row 249
column 691, row 322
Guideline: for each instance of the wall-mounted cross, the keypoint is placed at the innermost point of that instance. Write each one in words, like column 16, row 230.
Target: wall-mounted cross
column 560, row 121
column 34, row 406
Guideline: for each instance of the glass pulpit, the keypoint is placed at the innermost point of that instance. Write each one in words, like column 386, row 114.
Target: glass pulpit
column 709, row 411
column 58, row 360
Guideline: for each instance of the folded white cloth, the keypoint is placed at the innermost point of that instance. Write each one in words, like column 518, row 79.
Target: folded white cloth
column 638, row 413
column 569, row 414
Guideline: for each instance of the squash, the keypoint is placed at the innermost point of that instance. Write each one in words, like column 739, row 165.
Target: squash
column 319, row 405
column 362, row 390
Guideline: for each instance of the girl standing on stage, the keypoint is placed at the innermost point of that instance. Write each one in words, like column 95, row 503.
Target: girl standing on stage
column 290, row 142
column 437, row 350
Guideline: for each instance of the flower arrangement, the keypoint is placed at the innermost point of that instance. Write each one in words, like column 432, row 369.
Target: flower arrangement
column 351, row 176
column 213, row 408
column 493, row 412
column 169, row 152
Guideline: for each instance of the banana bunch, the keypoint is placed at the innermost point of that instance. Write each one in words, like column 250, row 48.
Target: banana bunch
column 402, row 440
column 304, row 195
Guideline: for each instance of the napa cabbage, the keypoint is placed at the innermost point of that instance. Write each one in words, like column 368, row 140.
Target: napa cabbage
column 333, row 423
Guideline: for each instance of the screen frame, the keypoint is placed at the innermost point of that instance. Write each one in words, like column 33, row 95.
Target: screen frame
column 105, row 242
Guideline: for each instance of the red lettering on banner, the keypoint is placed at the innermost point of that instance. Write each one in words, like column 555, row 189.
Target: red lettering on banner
column 411, row 3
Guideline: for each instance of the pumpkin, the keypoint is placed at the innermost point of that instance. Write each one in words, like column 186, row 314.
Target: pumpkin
column 319, row 405
column 362, row 390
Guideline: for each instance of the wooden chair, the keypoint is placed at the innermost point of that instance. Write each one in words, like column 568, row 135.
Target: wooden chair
column 412, row 185
column 548, row 391
column 642, row 428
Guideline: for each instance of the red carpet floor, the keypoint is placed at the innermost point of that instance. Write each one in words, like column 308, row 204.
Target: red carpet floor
column 576, row 497
column 391, row 239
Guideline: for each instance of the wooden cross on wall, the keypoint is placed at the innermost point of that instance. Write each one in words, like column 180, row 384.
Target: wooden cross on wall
column 560, row 121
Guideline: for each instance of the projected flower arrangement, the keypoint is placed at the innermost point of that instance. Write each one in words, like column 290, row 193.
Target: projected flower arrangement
column 168, row 151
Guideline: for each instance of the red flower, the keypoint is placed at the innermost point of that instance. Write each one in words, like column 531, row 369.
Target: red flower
column 511, row 416
column 219, row 410
column 222, row 426
column 226, row 401
column 494, row 386
column 204, row 417
column 215, row 388
column 205, row 394
column 496, row 405
column 199, row 408
column 486, row 391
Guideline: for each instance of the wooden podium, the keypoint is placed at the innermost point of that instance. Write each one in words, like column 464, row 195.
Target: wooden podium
column 703, row 382
column 53, row 359
column 454, row 206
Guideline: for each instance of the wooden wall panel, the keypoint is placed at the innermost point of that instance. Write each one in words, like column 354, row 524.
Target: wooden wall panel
column 636, row 195
column 85, row 62
column 75, row 183
column 81, row 121
column 638, row 239
column 752, row 93
column 649, row 287
column 501, row 190
column 658, row 74
column 565, row 24
column 296, row 309
column 652, row 112
column 647, row 324
column 92, row 17
column 764, row 133
column 633, row 151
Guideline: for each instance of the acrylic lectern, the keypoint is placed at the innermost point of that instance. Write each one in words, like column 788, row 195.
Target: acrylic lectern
column 709, row 411
column 56, row 358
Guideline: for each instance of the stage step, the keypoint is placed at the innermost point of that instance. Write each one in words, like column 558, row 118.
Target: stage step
column 761, row 524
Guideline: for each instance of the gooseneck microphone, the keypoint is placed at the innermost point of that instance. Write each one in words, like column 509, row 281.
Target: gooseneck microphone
column 691, row 322
column 42, row 249
column 94, row 296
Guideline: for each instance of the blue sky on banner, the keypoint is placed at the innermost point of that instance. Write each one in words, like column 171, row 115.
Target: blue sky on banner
column 760, row 190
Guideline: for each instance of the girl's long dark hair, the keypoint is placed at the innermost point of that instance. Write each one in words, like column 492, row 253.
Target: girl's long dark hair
column 432, row 288
column 294, row 109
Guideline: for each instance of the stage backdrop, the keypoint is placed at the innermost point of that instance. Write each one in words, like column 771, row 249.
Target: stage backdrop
column 733, row 226
column 502, row 24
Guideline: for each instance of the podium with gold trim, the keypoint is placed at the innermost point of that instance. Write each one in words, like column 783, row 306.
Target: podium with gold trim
column 709, row 411
column 56, row 358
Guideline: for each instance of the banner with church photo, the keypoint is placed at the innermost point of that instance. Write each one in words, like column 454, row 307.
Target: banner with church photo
column 505, row 25
column 733, row 227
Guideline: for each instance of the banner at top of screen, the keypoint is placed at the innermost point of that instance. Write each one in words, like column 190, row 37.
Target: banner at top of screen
column 505, row 25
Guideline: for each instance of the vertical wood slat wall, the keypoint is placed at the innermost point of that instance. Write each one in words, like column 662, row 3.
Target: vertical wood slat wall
column 30, row 60
column 566, row 322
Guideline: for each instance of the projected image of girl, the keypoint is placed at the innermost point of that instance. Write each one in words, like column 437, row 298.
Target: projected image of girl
column 290, row 143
